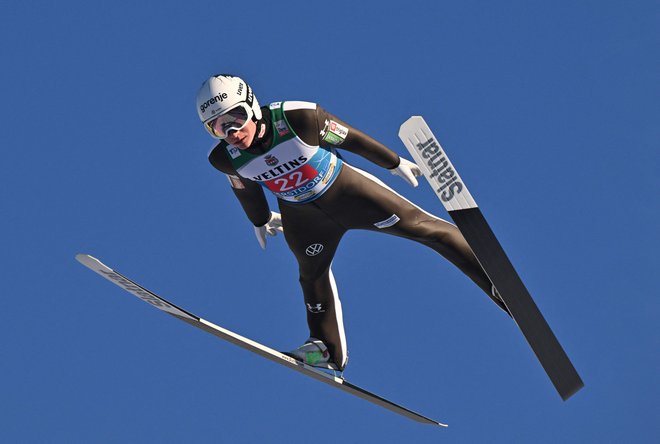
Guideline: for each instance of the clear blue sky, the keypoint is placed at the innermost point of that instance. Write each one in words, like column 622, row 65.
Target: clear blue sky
column 550, row 111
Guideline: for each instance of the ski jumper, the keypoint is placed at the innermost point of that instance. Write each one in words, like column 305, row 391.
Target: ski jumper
column 321, row 197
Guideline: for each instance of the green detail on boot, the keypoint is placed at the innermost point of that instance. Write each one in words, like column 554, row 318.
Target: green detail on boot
column 313, row 357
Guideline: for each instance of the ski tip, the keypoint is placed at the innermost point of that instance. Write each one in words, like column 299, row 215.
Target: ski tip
column 84, row 258
column 413, row 120
column 87, row 260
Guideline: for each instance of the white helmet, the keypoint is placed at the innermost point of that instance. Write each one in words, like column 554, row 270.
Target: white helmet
column 229, row 97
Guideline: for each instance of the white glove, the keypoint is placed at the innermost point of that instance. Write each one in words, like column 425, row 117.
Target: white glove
column 271, row 228
column 407, row 170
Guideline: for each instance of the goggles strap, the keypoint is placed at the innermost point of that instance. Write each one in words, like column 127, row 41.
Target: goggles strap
column 250, row 99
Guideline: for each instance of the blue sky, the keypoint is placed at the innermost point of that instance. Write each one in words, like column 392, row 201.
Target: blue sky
column 549, row 110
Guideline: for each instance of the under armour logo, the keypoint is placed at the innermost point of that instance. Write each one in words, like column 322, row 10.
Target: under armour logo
column 318, row 308
column 313, row 249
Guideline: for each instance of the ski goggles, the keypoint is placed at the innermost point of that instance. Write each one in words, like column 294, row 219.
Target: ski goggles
column 232, row 120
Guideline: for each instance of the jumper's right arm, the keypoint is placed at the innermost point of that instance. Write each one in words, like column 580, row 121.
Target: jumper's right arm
column 249, row 193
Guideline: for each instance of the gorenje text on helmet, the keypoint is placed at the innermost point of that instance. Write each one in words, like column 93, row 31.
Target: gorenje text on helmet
column 212, row 100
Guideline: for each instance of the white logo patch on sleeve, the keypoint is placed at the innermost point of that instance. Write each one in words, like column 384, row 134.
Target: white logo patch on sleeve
column 281, row 127
column 393, row 219
column 235, row 182
column 334, row 133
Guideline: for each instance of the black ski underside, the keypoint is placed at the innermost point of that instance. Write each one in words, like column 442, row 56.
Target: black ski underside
column 518, row 301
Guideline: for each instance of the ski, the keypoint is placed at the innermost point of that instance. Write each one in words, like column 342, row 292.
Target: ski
column 457, row 200
column 248, row 344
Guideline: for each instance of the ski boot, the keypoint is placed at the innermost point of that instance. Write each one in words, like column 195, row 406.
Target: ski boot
column 314, row 352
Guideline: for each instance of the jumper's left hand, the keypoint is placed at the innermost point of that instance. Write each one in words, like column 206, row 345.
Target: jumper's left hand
column 407, row 170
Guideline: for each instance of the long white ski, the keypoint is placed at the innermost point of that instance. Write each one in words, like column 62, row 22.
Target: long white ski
column 255, row 347
column 457, row 200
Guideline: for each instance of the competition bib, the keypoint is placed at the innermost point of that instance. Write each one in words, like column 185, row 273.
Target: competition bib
column 291, row 169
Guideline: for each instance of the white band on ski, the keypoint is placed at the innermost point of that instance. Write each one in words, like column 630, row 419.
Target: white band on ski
column 99, row 267
column 435, row 165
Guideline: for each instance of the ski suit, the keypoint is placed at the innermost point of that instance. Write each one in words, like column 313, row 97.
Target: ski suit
column 320, row 197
